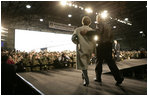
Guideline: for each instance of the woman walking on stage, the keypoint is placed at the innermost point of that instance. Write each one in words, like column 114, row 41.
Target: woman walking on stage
column 85, row 47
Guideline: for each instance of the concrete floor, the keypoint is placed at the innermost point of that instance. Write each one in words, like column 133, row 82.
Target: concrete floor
column 69, row 82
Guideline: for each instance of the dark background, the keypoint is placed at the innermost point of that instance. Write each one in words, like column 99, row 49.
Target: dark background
column 14, row 14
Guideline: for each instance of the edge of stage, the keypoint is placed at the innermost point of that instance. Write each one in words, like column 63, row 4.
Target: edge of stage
column 68, row 81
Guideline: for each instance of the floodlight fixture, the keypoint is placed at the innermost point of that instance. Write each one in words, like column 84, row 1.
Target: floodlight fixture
column 88, row 10
column 82, row 8
column 96, row 38
column 104, row 14
column 76, row 6
column 114, row 27
column 126, row 19
column 63, row 2
column 70, row 4
column 129, row 24
column 69, row 24
column 119, row 20
column 41, row 20
column 95, row 22
column 141, row 32
column 69, row 15
column 28, row 6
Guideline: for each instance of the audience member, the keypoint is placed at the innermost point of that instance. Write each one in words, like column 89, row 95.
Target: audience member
column 8, row 76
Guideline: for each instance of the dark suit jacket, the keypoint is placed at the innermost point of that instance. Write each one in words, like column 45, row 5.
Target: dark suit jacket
column 104, row 32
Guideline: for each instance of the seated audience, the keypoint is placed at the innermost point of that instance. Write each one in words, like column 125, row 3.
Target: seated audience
column 44, row 60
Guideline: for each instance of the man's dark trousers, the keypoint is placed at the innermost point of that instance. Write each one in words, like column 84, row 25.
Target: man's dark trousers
column 104, row 52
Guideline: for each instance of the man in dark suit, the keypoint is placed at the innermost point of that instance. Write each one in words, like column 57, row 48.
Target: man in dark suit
column 104, row 51
column 116, row 50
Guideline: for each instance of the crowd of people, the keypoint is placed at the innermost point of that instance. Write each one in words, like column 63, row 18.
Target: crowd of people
column 13, row 61
column 133, row 54
column 45, row 60
column 36, row 61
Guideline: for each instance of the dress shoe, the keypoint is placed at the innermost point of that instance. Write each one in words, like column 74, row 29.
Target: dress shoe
column 97, row 80
column 119, row 82
column 85, row 83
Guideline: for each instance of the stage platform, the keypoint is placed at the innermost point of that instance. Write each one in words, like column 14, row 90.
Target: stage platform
column 128, row 63
column 69, row 81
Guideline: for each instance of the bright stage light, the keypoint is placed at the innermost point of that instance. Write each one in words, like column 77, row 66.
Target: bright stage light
column 82, row 8
column 28, row 6
column 63, row 2
column 69, row 24
column 4, row 30
column 104, row 14
column 129, row 24
column 126, row 19
column 69, row 15
column 114, row 27
column 41, row 20
column 105, row 11
column 88, row 10
column 141, row 32
column 124, row 22
column 119, row 20
column 76, row 6
column 95, row 22
column 96, row 38
column 69, row 4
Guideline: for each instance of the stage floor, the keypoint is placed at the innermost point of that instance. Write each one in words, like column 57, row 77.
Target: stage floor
column 128, row 63
column 69, row 81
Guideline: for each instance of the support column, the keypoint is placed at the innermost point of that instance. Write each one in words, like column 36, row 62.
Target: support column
column 11, row 38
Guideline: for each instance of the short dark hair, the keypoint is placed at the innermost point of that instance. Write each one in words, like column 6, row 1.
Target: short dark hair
column 86, row 20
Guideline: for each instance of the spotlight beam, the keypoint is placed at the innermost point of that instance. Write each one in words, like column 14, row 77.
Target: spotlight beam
column 104, row 14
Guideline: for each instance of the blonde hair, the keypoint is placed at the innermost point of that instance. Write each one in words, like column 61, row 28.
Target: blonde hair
column 86, row 20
